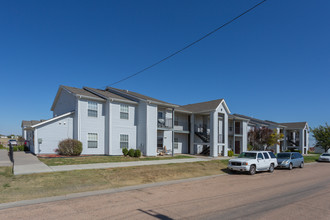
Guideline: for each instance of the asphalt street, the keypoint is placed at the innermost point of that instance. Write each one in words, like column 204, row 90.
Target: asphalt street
column 297, row 194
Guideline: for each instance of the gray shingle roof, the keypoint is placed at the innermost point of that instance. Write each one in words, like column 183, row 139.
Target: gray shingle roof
column 31, row 123
column 140, row 96
column 108, row 94
column 81, row 92
column 202, row 106
column 292, row 125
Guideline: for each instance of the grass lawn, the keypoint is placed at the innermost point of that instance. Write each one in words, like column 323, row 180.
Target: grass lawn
column 22, row 187
column 311, row 158
column 102, row 159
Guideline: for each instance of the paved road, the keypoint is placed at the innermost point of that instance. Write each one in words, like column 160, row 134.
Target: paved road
column 297, row 194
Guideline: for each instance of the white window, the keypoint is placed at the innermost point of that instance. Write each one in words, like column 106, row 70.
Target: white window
column 123, row 111
column 92, row 109
column 124, row 141
column 176, row 143
column 92, row 140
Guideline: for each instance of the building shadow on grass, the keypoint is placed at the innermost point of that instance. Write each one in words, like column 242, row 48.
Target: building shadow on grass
column 155, row 214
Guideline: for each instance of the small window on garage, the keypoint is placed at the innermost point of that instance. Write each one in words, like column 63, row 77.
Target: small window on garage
column 92, row 140
column 124, row 141
column 92, row 109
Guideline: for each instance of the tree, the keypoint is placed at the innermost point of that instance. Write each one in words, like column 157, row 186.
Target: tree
column 322, row 136
column 262, row 138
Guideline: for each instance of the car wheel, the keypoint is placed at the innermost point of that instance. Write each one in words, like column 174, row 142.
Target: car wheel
column 302, row 165
column 271, row 168
column 252, row 170
column 290, row 166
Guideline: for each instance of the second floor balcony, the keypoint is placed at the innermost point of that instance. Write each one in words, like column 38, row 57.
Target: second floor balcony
column 164, row 123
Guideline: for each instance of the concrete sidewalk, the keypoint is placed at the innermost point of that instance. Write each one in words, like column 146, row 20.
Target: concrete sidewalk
column 27, row 163
column 122, row 164
column 4, row 158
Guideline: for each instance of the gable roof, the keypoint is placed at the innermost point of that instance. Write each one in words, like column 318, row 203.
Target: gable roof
column 138, row 96
column 258, row 121
column 76, row 92
column 297, row 125
column 203, row 106
column 31, row 123
column 50, row 120
column 109, row 95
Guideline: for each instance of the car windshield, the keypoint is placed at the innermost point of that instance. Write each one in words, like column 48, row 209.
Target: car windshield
column 283, row 156
column 327, row 155
column 247, row 155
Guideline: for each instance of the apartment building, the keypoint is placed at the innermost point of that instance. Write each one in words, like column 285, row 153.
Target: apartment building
column 106, row 121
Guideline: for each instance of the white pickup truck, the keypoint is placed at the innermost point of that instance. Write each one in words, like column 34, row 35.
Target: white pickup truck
column 253, row 161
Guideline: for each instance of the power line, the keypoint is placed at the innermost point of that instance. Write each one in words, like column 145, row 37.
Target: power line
column 189, row 45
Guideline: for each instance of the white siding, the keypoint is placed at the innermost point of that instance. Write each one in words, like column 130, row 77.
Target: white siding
column 151, row 143
column 141, row 127
column 65, row 103
column 51, row 134
column 91, row 125
column 122, row 126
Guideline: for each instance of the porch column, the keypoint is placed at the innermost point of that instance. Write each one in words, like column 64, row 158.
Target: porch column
column 301, row 140
column 244, row 136
column 277, row 146
column 172, row 132
column 214, row 134
column 192, row 133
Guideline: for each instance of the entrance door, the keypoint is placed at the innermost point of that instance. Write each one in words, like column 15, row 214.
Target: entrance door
column 237, row 147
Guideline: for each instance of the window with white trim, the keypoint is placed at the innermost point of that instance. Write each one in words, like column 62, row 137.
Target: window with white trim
column 124, row 141
column 92, row 109
column 176, row 143
column 124, row 111
column 92, row 140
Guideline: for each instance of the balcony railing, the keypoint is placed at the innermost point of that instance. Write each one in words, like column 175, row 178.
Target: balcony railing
column 165, row 123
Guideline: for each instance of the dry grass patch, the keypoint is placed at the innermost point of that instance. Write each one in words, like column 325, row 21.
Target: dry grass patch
column 22, row 187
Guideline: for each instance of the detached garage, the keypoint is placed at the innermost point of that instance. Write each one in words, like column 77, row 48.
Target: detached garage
column 44, row 137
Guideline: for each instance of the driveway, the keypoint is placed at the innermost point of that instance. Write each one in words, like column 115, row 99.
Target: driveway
column 297, row 194
column 27, row 163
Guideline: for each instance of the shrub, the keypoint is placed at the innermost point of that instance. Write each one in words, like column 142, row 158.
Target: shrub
column 70, row 147
column 137, row 153
column 250, row 147
column 230, row 153
column 125, row 151
column 131, row 152
column 18, row 148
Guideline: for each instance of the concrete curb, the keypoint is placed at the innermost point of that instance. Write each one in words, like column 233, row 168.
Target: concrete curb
column 100, row 192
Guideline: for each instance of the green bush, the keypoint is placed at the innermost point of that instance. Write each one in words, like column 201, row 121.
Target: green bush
column 250, row 147
column 230, row 153
column 18, row 148
column 2, row 147
column 70, row 147
column 125, row 151
column 131, row 152
column 288, row 151
column 137, row 153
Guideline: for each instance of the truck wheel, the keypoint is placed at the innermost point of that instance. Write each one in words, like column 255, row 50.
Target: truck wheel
column 271, row 168
column 302, row 165
column 290, row 166
column 252, row 170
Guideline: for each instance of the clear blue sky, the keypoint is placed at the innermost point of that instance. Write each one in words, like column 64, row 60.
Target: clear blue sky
column 273, row 63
